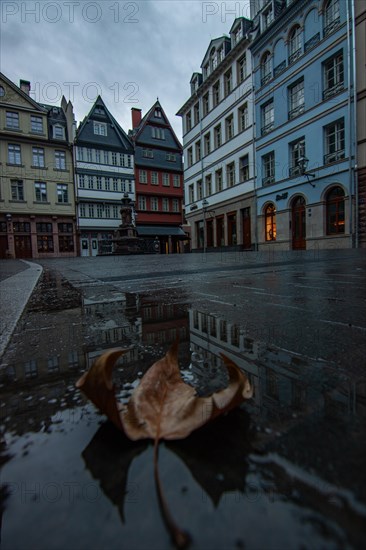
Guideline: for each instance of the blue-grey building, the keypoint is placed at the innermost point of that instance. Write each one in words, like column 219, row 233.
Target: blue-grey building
column 304, row 123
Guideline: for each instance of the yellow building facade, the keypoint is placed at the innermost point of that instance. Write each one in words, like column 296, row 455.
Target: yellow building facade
column 37, row 201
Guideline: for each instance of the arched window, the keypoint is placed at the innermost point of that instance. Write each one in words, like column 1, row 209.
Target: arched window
column 294, row 44
column 265, row 68
column 331, row 16
column 270, row 222
column 335, row 211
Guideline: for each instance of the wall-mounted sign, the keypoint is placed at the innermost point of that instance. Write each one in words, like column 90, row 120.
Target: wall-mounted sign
column 281, row 197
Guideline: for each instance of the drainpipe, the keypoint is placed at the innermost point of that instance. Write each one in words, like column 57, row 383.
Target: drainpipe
column 353, row 19
column 351, row 85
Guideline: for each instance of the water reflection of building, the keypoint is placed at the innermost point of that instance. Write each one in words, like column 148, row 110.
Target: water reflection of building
column 163, row 322
column 284, row 383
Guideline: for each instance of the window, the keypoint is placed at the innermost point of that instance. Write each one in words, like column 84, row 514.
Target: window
column 89, row 155
column 114, row 159
column 154, row 204
column 165, row 205
column 107, row 184
column 2, row 91
column 44, row 227
column 244, row 168
column 60, row 160
column 333, row 76
column 229, row 127
column 158, row 133
column 62, row 193
column 166, row 180
column 30, row 369
column 38, row 157
column 142, row 203
column 53, row 364
column 12, row 120
column 296, row 99
column 334, row 142
column 58, row 131
column 99, row 183
column 175, row 205
column 115, row 184
column 217, row 136
column 100, row 128
column 99, row 210
column 267, row 117
column 97, row 156
column 198, row 150
column 148, row 153
column 171, row 157
column 294, row 45
column 65, row 242
column 154, row 178
column 80, row 153
column 188, row 121
column 191, row 192
column 115, row 211
column 228, row 83
column 265, row 68
column 21, row 227
column 90, row 182
column 44, row 237
column 107, row 211
column 17, row 190
column 268, row 168
column 106, row 157
column 81, row 179
column 40, row 188
column 14, row 154
column 207, row 143
column 142, row 176
column 213, row 59
column 238, row 34
column 91, row 210
column 267, row 17
column 243, row 117
column 36, row 124
column 65, row 227
column 230, row 174
column 208, row 185
column 196, row 113
column 335, row 211
column 82, row 210
column 205, row 104
column 157, row 113
column 199, row 190
column 189, row 157
column 231, row 230
column 270, row 222
column 331, row 16
column 176, row 180
column 216, row 93
column 297, row 150
column 241, row 69
column 218, row 180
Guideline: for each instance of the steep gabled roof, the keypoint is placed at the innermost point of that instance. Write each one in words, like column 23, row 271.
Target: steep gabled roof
column 104, row 116
column 150, row 117
column 32, row 104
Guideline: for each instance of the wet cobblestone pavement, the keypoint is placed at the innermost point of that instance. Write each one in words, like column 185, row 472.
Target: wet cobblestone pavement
column 286, row 470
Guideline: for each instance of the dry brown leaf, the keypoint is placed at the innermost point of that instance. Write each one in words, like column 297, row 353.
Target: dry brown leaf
column 163, row 406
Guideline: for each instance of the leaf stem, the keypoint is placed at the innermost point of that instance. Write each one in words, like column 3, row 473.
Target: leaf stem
column 180, row 538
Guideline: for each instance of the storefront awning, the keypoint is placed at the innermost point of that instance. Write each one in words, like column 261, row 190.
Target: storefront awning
column 160, row 231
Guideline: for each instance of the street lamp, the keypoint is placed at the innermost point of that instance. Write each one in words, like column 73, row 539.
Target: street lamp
column 302, row 163
column 205, row 204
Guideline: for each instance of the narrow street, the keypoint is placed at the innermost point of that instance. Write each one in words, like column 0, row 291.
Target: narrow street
column 285, row 470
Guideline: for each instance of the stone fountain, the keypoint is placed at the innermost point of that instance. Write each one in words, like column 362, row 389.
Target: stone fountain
column 126, row 240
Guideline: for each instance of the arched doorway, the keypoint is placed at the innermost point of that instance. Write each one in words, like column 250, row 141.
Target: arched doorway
column 298, row 224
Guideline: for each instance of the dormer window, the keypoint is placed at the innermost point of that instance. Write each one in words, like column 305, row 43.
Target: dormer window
column 100, row 128
column 206, row 70
column 58, row 132
column 220, row 53
column 238, row 34
column 267, row 17
column 157, row 113
column 213, row 59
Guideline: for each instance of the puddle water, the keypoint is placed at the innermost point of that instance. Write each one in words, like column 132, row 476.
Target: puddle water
column 285, row 470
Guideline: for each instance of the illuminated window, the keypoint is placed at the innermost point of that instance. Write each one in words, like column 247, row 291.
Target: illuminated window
column 335, row 211
column 270, row 222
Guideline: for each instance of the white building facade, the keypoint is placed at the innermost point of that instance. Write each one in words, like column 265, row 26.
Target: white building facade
column 218, row 142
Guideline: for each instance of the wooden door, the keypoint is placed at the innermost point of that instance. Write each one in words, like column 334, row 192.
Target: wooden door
column 247, row 238
column 298, row 224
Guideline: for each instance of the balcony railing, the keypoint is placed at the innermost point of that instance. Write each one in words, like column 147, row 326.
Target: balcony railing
column 268, row 180
column 312, row 41
column 329, row 92
column 332, row 26
column 292, row 58
column 296, row 111
column 266, row 78
column 281, row 67
column 267, row 128
column 333, row 157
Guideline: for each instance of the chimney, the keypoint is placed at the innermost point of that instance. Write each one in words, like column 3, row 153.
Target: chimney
column 25, row 86
column 136, row 117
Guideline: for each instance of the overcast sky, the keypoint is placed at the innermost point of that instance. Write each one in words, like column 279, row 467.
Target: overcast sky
column 129, row 52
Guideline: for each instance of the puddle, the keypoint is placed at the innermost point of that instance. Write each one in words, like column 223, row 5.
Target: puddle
column 285, row 470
